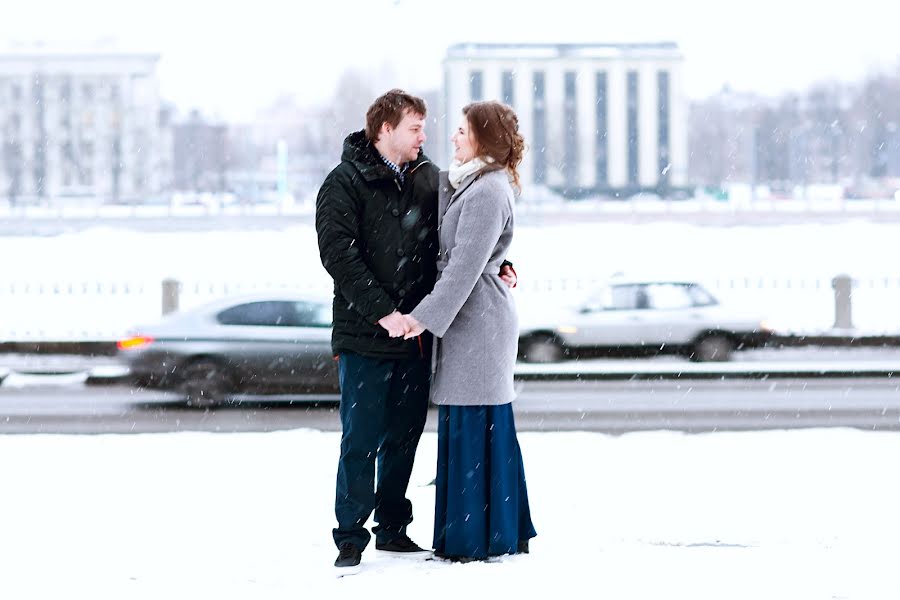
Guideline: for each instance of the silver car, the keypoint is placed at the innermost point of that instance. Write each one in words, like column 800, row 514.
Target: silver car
column 251, row 344
column 639, row 317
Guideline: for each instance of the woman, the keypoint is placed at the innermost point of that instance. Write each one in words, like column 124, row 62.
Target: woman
column 481, row 506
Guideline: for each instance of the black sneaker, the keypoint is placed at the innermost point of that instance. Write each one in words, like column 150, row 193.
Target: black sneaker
column 522, row 547
column 403, row 547
column 348, row 558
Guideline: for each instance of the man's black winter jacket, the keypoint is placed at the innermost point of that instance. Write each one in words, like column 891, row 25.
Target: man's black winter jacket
column 378, row 241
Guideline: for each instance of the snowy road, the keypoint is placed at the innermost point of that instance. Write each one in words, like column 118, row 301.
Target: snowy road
column 612, row 407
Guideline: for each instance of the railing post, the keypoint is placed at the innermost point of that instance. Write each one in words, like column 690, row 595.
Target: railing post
column 171, row 288
column 843, row 312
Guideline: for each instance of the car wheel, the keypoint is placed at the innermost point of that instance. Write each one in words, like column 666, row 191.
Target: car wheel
column 543, row 349
column 712, row 348
column 205, row 384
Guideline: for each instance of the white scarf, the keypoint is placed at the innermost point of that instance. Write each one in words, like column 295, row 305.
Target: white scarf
column 459, row 171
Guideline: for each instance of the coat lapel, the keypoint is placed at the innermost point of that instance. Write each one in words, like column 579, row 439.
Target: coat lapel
column 463, row 185
column 444, row 193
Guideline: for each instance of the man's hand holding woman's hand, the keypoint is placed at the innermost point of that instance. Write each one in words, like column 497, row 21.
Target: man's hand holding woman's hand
column 413, row 327
column 395, row 323
column 398, row 325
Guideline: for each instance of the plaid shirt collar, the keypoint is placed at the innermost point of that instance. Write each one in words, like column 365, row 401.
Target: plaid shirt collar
column 399, row 171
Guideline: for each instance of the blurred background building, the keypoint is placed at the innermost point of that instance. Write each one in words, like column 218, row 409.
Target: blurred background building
column 82, row 123
column 87, row 124
column 833, row 140
column 606, row 119
column 200, row 152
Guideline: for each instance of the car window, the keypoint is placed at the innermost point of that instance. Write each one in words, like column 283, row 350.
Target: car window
column 627, row 297
column 265, row 314
column 700, row 296
column 312, row 314
column 668, row 296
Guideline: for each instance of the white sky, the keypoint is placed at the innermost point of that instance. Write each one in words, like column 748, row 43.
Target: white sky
column 230, row 60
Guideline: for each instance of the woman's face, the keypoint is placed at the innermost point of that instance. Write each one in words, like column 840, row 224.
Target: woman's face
column 463, row 142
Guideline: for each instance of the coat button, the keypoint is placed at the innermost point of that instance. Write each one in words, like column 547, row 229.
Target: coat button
column 400, row 252
column 401, row 293
column 395, row 212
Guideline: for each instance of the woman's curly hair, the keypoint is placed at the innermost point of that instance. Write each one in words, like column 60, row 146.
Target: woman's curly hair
column 495, row 128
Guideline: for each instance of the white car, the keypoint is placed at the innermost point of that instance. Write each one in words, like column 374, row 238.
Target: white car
column 644, row 317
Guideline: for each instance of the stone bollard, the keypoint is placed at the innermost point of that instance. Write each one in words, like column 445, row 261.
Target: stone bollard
column 843, row 311
column 171, row 288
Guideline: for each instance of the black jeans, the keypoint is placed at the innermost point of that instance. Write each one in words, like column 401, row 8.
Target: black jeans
column 384, row 404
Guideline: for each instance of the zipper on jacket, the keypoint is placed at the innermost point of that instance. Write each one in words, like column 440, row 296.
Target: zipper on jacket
column 410, row 174
column 416, row 168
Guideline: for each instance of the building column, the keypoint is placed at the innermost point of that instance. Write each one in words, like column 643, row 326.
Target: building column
column 587, row 124
column 618, row 127
column 555, row 95
column 492, row 74
column 457, row 95
column 648, row 128
column 678, row 143
column 523, row 103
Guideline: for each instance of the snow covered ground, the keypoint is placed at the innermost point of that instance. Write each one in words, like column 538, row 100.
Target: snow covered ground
column 100, row 282
column 778, row 515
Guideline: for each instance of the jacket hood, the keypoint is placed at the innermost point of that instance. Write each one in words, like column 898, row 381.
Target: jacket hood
column 363, row 155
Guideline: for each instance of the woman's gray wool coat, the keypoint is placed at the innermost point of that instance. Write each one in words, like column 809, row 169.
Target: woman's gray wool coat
column 471, row 310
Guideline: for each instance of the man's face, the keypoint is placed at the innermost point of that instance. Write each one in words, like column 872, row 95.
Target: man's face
column 406, row 138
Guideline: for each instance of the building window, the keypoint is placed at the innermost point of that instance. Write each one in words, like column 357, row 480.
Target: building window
column 86, row 160
column 540, row 129
column 633, row 132
column 65, row 91
column 37, row 90
column 663, row 104
column 507, row 85
column 602, row 140
column 570, row 148
column 68, row 158
column 475, row 86
column 39, row 167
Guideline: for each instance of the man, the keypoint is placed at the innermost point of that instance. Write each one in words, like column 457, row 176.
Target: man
column 376, row 219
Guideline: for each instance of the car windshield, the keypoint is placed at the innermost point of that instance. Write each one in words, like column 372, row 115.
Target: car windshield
column 700, row 296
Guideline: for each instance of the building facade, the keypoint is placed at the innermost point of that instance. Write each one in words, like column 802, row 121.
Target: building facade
column 605, row 119
column 77, row 123
column 200, row 151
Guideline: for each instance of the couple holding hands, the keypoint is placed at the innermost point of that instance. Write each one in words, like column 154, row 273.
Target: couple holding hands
column 423, row 310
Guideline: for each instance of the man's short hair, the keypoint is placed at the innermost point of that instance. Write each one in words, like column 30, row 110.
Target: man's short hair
column 390, row 108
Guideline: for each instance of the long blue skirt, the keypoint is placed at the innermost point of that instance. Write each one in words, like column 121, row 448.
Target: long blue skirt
column 481, row 502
